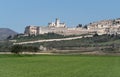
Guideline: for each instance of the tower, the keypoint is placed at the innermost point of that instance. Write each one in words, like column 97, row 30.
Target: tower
column 57, row 22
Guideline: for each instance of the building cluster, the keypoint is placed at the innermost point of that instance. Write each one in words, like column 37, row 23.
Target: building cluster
column 105, row 27
column 101, row 27
column 54, row 27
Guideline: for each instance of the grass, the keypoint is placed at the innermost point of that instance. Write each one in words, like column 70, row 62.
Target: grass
column 59, row 66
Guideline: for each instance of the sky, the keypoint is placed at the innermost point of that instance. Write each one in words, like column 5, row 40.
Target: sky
column 17, row 14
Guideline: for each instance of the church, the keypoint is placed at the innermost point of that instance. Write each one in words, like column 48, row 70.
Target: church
column 53, row 27
column 57, row 24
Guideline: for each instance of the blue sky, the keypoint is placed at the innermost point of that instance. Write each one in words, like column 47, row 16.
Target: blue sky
column 16, row 14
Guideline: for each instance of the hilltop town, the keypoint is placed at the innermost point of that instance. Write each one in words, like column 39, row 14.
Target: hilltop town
column 100, row 27
column 99, row 36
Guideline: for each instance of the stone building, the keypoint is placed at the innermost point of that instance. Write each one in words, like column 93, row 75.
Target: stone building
column 56, row 27
column 100, row 27
column 105, row 27
column 31, row 30
column 57, row 24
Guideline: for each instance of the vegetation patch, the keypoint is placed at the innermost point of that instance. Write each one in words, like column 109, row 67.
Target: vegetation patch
column 59, row 66
column 40, row 37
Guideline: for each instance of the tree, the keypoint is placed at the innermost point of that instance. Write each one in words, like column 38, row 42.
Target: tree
column 85, row 27
column 95, row 35
column 9, row 37
column 16, row 49
column 36, row 49
column 79, row 26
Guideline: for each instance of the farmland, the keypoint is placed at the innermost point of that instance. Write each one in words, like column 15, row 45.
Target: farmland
column 59, row 66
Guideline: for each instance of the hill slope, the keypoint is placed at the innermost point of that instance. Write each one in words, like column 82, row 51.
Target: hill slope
column 5, row 32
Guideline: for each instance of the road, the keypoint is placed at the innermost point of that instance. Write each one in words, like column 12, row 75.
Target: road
column 49, row 40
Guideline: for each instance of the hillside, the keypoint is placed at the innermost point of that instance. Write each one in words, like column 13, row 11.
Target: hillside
column 5, row 32
column 102, row 43
column 41, row 37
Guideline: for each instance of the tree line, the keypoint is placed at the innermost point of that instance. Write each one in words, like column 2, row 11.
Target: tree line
column 17, row 49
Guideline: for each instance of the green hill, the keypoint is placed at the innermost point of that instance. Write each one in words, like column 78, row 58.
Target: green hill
column 40, row 37
column 104, row 43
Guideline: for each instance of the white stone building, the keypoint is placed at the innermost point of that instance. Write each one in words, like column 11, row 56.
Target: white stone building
column 31, row 30
column 56, row 27
column 106, row 27
column 57, row 24
column 101, row 27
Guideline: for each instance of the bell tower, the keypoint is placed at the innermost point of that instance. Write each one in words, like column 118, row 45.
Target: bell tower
column 57, row 22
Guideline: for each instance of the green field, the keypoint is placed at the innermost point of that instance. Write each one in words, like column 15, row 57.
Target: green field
column 59, row 66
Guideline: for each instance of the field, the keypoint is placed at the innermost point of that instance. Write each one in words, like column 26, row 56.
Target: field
column 59, row 66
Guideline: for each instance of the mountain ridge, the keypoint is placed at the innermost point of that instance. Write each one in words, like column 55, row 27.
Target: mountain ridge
column 6, row 32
